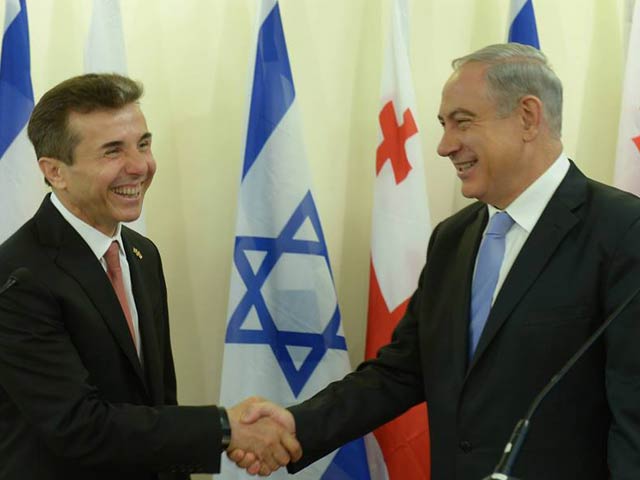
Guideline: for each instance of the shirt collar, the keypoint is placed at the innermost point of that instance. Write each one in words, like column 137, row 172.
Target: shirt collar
column 528, row 207
column 98, row 242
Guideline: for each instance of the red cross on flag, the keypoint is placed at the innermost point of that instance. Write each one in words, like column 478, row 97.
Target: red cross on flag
column 627, row 169
column 401, row 229
column 394, row 137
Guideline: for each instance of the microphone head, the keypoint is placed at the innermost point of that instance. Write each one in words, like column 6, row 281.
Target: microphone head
column 20, row 274
column 499, row 476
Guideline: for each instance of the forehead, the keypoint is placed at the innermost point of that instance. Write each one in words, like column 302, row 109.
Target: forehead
column 104, row 123
column 466, row 89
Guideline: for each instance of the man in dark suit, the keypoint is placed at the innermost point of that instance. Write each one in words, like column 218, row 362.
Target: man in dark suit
column 568, row 256
column 87, row 383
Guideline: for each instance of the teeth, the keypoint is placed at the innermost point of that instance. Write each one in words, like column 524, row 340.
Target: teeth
column 461, row 167
column 127, row 191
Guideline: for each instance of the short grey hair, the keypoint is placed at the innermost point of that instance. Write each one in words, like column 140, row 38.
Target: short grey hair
column 516, row 70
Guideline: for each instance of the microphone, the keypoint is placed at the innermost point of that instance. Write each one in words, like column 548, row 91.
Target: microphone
column 17, row 276
column 519, row 434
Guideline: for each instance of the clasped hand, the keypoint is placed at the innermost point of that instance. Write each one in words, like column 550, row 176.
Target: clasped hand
column 263, row 436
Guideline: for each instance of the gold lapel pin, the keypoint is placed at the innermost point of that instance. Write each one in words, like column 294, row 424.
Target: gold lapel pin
column 137, row 253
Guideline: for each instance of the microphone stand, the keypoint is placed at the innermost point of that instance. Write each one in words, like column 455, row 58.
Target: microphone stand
column 519, row 434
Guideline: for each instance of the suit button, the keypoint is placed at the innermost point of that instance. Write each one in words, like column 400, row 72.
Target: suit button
column 466, row 446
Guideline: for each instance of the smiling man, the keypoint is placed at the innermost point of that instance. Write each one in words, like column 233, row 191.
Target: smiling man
column 111, row 169
column 513, row 285
column 87, row 382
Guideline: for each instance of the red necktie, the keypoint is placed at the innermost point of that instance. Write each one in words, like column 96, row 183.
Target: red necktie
column 114, row 272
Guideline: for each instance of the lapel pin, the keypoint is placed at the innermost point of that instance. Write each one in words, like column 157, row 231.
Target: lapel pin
column 137, row 253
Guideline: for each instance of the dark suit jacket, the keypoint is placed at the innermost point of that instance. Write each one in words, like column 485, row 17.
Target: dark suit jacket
column 75, row 402
column 580, row 261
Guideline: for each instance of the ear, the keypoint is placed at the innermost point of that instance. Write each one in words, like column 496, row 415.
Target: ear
column 53, row 171
column 531, row 117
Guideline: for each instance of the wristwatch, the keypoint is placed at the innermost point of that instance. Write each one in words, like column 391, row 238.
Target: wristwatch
column 225, row 427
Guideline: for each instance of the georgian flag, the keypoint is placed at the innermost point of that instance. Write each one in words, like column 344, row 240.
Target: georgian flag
column 627, row 168
column 401, row 229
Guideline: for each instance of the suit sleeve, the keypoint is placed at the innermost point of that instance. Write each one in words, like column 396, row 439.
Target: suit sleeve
column 623, row 358
column 41, row 372
column 170, row 384
column 377, row 392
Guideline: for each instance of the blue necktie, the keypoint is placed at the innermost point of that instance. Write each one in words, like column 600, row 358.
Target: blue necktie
column 490, row 257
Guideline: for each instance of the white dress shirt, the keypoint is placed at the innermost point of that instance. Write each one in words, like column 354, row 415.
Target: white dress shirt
column 99, row 243
column 526, row 210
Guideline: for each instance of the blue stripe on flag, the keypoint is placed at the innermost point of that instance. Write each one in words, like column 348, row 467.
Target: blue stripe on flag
column 349, row 463
column 523, row 29
column 16, row 94
column 273, row 90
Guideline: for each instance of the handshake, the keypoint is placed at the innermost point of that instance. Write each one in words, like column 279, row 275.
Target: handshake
column 263, row 436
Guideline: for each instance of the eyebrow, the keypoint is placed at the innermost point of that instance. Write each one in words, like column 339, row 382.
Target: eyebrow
column 119, row 143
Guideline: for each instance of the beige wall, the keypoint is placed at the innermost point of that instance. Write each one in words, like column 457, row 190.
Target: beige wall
column 193, row 57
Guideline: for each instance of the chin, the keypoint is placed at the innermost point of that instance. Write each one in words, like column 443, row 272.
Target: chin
column 130, row 216
column 468, row 193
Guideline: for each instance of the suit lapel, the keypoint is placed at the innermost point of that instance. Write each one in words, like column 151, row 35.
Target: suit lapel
column 76, row 258
column 556, row 221
column 144, row 306
column 463, row 269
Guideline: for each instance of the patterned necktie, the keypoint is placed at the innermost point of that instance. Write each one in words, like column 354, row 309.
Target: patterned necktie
column 114, row 272
column 490, row 257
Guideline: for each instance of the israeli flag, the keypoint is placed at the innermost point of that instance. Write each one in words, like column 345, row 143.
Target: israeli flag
column 284, row 338
column 21, row 183
column 522, row 23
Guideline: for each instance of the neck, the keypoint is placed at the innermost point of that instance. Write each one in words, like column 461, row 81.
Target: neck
column 536, row 161
column 107, row 228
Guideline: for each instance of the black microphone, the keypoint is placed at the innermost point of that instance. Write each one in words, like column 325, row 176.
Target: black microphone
column 17, row 276
column 519, row 434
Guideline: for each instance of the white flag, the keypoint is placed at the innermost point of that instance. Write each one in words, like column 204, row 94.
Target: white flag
column 284, row 338
column 21, row 183
column 105, row 53
column 627, row 169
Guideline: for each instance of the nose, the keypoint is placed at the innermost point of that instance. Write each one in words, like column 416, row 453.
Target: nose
column 449, row 143
column 137, row 163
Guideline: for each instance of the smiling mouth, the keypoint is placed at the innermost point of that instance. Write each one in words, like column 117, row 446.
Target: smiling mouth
column 128, row 192
column 463, row 167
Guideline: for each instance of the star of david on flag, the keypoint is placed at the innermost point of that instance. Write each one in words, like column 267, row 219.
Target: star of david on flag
column 275, row 250
column 284, row 338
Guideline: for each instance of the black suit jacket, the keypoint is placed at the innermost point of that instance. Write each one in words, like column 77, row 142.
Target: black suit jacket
column 580, row 261
column 75, row 400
